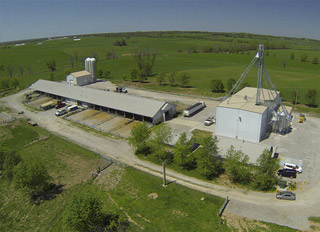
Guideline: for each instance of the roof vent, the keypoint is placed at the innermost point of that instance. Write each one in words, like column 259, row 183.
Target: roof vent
column 245, row 97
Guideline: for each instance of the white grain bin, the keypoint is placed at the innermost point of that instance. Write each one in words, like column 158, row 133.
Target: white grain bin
column 93, row 69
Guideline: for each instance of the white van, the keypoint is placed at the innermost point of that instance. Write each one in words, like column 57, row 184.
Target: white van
column 72, row 108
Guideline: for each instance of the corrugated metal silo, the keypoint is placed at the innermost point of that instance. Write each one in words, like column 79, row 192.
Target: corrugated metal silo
column 93, row 69
column 87, row 64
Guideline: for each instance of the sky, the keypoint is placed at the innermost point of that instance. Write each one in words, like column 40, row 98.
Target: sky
column 27, row 19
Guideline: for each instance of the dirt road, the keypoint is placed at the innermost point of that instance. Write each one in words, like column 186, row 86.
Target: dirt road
column 260, row 206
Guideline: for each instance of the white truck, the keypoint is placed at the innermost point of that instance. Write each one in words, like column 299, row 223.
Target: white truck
column 193, row 109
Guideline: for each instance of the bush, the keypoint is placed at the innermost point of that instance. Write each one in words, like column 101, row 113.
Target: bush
column 10, row 161
column 311, row 97
column 32, row 177
column 216, row 86
column 84, row 213
column 237, row 167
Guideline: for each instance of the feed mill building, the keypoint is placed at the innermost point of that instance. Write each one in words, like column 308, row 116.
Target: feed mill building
column 138, row 108
column 239, row 117
column 85, row 77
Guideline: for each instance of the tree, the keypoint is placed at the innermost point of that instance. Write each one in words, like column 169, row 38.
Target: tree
column 230, row 83
column 294, row 97
column 51, row 64
column 311, row 97
column 111, row 55
column 71, row 58
column 51, row 77
column 100, row 73
column 292, row 57
column 5, row 83
column 14, row 82
column 31, row 176
column 266, row 177
column 244, row 84
column 172, row 78
column 76, row 55
column 29, row 70
column 162, row 134
column 184, row 79
column 140, row 134
column 2, row 68
column 267, row 164
column 216, row 86
column 21, row 70
column 236, row 166
column 207, row 158
column 284, row 62
column 134, row 74
column 84, row 212
column 304, row 58
column 161, row 78
column 10, row 70
column 182, row 150
column 11, row 159
column 145, row 62
column 315, row 60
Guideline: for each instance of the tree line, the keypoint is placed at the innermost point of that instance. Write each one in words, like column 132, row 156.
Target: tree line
column 206, row 159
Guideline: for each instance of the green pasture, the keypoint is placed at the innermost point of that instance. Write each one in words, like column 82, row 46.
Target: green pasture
column 288, row 75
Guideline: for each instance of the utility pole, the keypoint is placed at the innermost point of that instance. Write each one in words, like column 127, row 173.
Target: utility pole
column 164, row 184
column 296, row 99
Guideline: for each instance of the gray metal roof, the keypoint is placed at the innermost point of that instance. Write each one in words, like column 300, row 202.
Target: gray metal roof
column 119, row 101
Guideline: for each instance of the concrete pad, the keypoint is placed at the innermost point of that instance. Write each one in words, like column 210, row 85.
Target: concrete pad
column 284, row 159
column 253, row 150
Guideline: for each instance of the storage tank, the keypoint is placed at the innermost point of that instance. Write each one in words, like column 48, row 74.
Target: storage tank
column 93, row 69
column 87, row 64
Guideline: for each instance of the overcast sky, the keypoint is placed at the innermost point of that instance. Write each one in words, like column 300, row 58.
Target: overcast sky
column 25, row 19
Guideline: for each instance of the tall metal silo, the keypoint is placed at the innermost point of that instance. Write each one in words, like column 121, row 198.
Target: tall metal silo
column 93, row 69
column 87, row 64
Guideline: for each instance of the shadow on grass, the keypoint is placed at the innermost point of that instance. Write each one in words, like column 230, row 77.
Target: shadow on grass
column 50, row 193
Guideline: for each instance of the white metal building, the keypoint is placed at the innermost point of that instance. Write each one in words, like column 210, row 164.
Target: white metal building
column 138, row 108
column 79, row 78
column 239, row 117
column 85, row 77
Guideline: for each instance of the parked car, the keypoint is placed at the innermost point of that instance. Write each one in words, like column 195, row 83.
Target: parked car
column 209, row 121
column 123, row 90
column 286, row 195
column 72, row 108
column 292, row 166
column 287, row 173
column 60, row 105
column 61, row 112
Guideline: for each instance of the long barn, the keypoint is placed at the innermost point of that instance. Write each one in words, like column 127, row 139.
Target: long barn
column 138, row 108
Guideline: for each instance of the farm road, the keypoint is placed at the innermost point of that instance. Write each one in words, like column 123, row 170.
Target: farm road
column 259, row 206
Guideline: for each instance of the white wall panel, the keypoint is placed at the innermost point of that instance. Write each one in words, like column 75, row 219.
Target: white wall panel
column 227, row 122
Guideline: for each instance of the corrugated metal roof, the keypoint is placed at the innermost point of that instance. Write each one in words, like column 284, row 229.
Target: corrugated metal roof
column 245, row 99
column 80, row 73
column 124, row 102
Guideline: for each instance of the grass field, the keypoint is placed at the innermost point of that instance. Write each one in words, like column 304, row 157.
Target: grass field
column 124, row 191
column 172, row 56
